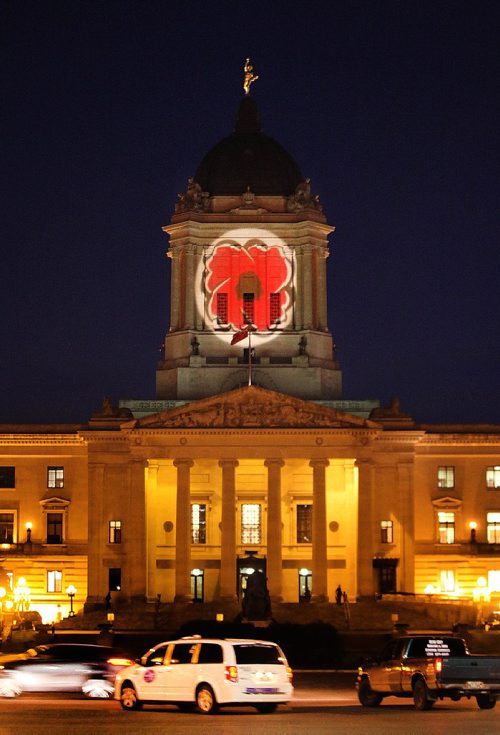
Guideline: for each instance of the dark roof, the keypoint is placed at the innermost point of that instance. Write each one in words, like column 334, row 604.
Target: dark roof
column 248, row 158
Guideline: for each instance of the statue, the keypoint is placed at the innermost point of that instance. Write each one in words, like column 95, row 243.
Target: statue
column 193, row 199
column 302, row 198
column 250, row 78
column 256, row 603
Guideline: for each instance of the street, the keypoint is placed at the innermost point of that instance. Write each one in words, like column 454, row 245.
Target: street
column 322, row 703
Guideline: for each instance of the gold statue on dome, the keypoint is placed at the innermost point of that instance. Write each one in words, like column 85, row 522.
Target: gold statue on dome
column 250, row 77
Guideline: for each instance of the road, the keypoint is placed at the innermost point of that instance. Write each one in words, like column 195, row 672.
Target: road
column 322, row 704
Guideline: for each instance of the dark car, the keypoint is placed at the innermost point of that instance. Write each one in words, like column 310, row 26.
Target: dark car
column 62, row 667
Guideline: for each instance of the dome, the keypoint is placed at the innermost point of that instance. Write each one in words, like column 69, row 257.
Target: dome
column 248, row 158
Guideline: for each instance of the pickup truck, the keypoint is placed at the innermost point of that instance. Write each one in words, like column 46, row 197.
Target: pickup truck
column 428, row 668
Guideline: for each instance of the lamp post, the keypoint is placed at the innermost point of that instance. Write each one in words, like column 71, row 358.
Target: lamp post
column 29, row 526
column 3, row 592
column 71, row 592
column 473, row 527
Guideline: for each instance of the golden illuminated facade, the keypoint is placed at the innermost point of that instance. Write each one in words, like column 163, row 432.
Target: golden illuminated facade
column 248, row 459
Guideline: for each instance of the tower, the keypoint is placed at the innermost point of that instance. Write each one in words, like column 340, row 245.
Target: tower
column 248, row 244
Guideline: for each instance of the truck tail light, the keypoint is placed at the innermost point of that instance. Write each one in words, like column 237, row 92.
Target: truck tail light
column 438, row 665
column 231, row 673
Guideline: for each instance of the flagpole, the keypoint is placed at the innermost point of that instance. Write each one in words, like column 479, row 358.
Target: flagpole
column 249, row 355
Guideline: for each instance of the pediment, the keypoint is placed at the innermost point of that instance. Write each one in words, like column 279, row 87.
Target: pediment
column 253, row 407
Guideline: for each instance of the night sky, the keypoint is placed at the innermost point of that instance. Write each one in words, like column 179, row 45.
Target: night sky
column 391, row 108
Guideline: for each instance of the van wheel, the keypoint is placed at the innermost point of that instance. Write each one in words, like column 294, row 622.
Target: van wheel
column 266, row 708
column 484, row 701
column 205, row 700
column 367, row 696
column 421, row 697
column 128, row 698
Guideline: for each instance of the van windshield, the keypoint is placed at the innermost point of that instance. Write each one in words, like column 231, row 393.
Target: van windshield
column 257, row 654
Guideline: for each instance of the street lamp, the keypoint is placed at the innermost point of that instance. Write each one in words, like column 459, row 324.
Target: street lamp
column 3, row 592
column 473, row 527
column 29, row 526
column 71, row 592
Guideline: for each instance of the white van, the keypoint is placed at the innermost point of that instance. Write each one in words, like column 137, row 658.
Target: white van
column 207, row 673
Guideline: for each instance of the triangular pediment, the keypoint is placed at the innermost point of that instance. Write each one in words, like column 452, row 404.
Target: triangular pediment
column 253, row 407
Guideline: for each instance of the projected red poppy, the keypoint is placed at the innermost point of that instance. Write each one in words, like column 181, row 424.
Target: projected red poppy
column 248, row 283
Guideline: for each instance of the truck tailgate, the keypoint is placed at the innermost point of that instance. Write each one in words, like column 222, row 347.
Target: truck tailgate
column 471, row 668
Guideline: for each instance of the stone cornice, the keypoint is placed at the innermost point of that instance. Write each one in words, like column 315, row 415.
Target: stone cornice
column 41, row 440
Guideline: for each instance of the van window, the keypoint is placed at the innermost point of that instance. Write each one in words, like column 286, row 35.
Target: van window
column 182, row 653
column 256, row 654
column 211, row 653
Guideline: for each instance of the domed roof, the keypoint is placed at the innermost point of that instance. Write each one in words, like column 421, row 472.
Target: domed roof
column 248, row 158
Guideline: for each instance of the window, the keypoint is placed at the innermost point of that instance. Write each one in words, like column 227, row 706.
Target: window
column 210, row 653
column 54, row 528
column 304, row 524
column 222, row 308
column 274, row 308
column 251, row 524
column 493, row 477
column 386, row 532
column 182, row 653
column 114, row 579
column 115, row 532
column 493, row 528
column 446, row 527
column 447, row 580
column 305, row 585
column 494, row 580
column 7, row 476
column 198, row 523
column 446, row 477
column 249, row 308
column 55, row 476
column 7, row 525
column 54, row 581
column 197, row 585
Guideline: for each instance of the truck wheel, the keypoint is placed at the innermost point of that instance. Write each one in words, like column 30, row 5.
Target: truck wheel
column 421, row 697
column 484, row 701
column 367, row 696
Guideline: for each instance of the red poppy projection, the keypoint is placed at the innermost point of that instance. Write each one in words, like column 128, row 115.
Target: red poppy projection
column 248, row 281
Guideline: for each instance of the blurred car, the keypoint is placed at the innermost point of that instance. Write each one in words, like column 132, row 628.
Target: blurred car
column 207, row 674
column 492, row 622
column 62, row 667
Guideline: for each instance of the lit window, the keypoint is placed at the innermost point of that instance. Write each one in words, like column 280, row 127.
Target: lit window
column 222, row 302
column 55, row 476
column 249, row 308
column 274, row 308
column 494, row 580
column 386, row 532
column 446, row 527
column 7, row 477
column 446, row 477
column 7, row 524
column 251, row 528
column 115, row 532
column 198, row 523
column 493, row 477
column 54, row 528
column 197, row 585
column 54, row 581
column 304, row 524
column 493, row 528
column 447, row 580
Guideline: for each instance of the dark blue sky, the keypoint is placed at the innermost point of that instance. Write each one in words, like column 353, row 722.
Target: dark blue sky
column 391, row 108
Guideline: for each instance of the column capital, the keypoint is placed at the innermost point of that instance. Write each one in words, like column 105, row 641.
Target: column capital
column 274, row 462
column 319, row 463
column 183, row 462
column 228, row 463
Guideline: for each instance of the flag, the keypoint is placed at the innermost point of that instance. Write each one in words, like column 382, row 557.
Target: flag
column 238, row 336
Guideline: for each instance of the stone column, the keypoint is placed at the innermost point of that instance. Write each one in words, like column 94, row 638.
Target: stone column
column 189, row 291
column 299, row 289
column 407, row 563
column 97, row 583
column 183, row 531
column 366, row 582
column 135, row 534
column 319, row 553
column 228, row 530
column 307, row 288
column 321, row 320
column 274, row 532
column 151, row 509
column 175, row 255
